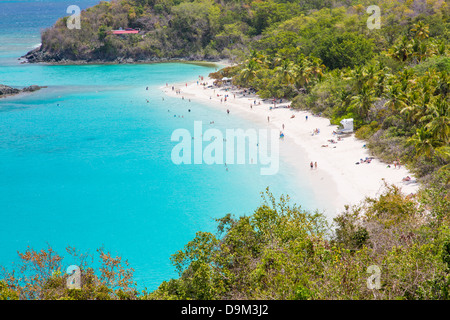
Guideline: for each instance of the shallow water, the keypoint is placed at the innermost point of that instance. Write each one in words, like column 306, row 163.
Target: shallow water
column 87, row 162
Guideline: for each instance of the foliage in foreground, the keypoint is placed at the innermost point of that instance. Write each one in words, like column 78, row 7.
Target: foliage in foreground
column 41, row 276
column 283, row 252
column 278, row 252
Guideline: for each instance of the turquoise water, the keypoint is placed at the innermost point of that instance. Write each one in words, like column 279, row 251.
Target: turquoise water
column 86, row 162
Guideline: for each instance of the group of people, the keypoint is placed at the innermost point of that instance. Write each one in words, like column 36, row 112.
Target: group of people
column 333, row 141
column 313, row 165
column 366, row 160
column 200, row 78
column 177, row 91
column 396, row 164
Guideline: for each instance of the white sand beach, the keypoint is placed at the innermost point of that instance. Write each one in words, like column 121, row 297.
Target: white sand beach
column 338, row 180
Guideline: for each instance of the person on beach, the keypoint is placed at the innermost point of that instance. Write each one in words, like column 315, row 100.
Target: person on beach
column 268, row 118
column 228, row 111
column 315, row 164
column 311, row 165
column 283, row 126
column 306, row 117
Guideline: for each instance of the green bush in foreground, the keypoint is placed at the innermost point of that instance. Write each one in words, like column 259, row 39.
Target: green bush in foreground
column 278, row 252
column 283, row 252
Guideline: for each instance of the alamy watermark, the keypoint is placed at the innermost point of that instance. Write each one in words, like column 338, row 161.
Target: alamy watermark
column 374, row 21
column 74, row 21
column 262, row 147
column 374, row 281
column 74, row 278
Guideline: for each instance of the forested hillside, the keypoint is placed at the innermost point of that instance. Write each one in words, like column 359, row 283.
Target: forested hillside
column 325, row 55
column 393, row 81
column 208, row 29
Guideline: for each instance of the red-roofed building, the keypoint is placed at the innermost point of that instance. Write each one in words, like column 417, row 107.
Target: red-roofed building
column 126, row 31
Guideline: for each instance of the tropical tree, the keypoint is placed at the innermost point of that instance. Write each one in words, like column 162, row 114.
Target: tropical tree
column 420, row 30
column 250, row 70
column 402, row 50
column 396, row 98
column 363, row 101
column 437, row 120
column 286, row 71
column 424, row 143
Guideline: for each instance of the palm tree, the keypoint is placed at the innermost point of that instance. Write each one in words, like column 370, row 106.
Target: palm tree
column 249, row 72
column 402, row 50
column 396, row 98
column 380, row 78
column 256, row 56
column 412, row 108
column 420, row 30
column 363, row 101
column 359, row 77
column 302, row 73
column 317, row 68
column 423, row 142
column 420, row 50
column 286, row 71
column 438, row 120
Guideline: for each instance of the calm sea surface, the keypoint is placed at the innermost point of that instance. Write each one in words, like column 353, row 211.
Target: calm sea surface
column 87, row 162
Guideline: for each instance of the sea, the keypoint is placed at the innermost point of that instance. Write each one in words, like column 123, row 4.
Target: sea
column 86, row 162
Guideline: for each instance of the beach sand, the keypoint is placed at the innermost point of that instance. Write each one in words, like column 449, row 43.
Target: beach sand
column 338, row 180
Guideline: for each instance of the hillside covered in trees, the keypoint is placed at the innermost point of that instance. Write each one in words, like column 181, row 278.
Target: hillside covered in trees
column 394, row 81
column 212, row 29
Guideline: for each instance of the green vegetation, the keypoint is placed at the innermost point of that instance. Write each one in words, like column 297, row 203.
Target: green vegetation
column 278, row 252
column 394, row 81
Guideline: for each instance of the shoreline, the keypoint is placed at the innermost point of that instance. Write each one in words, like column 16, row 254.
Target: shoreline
column 337, row 181
column 67, row 62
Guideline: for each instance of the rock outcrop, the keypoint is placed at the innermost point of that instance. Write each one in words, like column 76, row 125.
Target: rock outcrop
column 10, row 91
